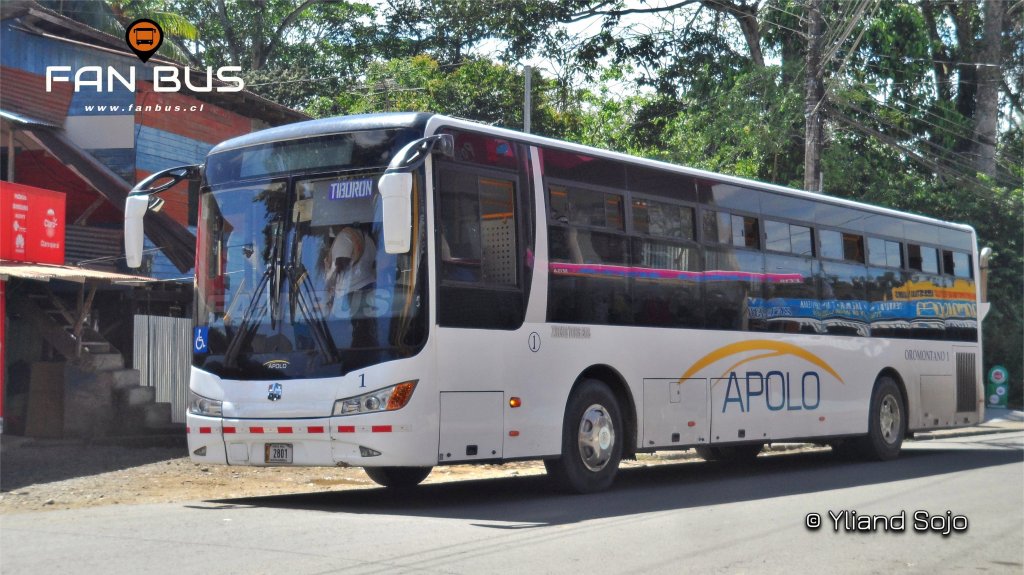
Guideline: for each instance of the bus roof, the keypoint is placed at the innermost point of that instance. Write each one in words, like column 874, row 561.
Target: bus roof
column 327, row 126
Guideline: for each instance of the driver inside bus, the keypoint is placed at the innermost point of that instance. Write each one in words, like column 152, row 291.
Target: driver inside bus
column 351, row 268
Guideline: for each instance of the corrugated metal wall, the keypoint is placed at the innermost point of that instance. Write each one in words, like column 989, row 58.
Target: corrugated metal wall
column 163, row 353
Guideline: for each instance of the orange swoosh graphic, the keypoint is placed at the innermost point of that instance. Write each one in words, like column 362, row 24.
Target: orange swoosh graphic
column 775, row 347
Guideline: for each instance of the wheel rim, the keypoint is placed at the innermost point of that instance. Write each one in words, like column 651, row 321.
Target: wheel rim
column 596, row 437
column 889, row 419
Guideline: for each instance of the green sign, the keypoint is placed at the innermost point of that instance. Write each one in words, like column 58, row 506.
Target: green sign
column 998, row 388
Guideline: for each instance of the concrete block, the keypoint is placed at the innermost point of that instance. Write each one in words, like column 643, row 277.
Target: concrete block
column 121, row 378
column 157, row 415
column 137, row 395
column 106, row 361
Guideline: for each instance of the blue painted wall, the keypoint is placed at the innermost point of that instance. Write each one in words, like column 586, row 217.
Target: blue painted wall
column 157, row 150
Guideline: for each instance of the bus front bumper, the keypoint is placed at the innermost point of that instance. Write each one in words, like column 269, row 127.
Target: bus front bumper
column 307, row 442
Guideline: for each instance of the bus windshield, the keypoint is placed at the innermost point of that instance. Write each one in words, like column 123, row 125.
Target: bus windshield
column 292, row 277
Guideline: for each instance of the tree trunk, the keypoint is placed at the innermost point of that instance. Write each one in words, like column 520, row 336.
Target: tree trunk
column 746, row 17
column 989, row 80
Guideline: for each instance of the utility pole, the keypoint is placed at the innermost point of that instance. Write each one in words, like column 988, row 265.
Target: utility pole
column 527, row 106
column 814, row 130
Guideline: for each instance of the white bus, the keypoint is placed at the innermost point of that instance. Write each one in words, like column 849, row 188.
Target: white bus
column 400, row 291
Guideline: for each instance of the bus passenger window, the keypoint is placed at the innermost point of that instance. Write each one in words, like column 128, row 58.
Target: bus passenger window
column 885, row 253
column 853, row 248
column 788, row 238
column 478, row 231
column 957, row 264
column 558, row 197
column 745, row 232
column 725, row 228
column 842, row 246
column 831, row 244
column 663, row 219
column 597, row 209
column 923, row 258
column 962, row 265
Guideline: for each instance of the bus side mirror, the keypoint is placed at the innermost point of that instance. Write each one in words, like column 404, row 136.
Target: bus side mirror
column 135, row 208
column 396, row 196
column 143, row 198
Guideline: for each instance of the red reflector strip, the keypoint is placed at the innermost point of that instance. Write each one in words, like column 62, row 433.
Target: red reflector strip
column 691, row 424
column 381, row 429
column 188, row 429
column 513, row 433
column 346, row 429
column 284, row 430
column 822, row 418
column 229, row 430
column 255, row 430
column 316, row 429
column 205, row 430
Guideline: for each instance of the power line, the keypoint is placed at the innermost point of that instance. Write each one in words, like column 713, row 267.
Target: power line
column 934, row 165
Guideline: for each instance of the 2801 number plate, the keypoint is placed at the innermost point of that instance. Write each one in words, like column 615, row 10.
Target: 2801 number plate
column 277, row 453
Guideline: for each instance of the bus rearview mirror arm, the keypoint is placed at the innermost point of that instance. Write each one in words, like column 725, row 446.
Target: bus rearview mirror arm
column 395, row 188
column 141, row 199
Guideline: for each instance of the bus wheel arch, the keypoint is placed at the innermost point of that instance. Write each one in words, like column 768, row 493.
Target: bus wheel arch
column 895, row 376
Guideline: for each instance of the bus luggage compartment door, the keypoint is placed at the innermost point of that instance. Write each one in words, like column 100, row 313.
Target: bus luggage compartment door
column 471, row 426
column 675, row 412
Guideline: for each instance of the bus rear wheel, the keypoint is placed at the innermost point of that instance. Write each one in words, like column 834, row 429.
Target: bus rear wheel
column 887, row 422
column 398, row 477
column 731, row 453
column 592, row 435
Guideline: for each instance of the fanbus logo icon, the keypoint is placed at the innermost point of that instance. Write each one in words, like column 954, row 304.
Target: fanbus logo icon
column 144, row 37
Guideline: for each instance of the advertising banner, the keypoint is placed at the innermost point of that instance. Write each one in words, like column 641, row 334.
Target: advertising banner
column 31, row 224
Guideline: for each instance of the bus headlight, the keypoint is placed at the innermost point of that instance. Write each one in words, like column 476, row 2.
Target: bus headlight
column 387, row 399
column 199, row 405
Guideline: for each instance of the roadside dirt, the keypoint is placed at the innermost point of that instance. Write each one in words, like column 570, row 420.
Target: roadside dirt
column 41, row 475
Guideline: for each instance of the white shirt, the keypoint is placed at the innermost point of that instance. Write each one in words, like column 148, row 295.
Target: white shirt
column 361, row 251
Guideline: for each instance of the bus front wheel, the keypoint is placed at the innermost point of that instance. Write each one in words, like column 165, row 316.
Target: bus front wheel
column 592, row 435
column 398, row 477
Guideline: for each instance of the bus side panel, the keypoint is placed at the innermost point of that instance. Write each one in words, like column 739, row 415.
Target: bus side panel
column 481, row 361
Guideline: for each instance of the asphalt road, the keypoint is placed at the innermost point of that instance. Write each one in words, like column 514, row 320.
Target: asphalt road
column 692, row 517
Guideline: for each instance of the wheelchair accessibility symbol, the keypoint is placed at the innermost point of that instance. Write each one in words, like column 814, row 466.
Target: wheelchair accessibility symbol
column 199, row 342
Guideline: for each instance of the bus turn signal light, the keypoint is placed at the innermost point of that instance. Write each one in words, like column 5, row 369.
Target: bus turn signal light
column 400, row 396
column 515, row 402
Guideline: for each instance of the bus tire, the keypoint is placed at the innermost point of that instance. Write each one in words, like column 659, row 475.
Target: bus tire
column 887, row 422
column 398, row 477
column 592, row 435
column 731, row 453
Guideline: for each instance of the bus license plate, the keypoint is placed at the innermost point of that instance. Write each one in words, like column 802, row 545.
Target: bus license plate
column 277, row 453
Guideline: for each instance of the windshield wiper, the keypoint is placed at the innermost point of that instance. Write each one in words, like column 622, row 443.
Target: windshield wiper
column 303, row 296
column 247, row 325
